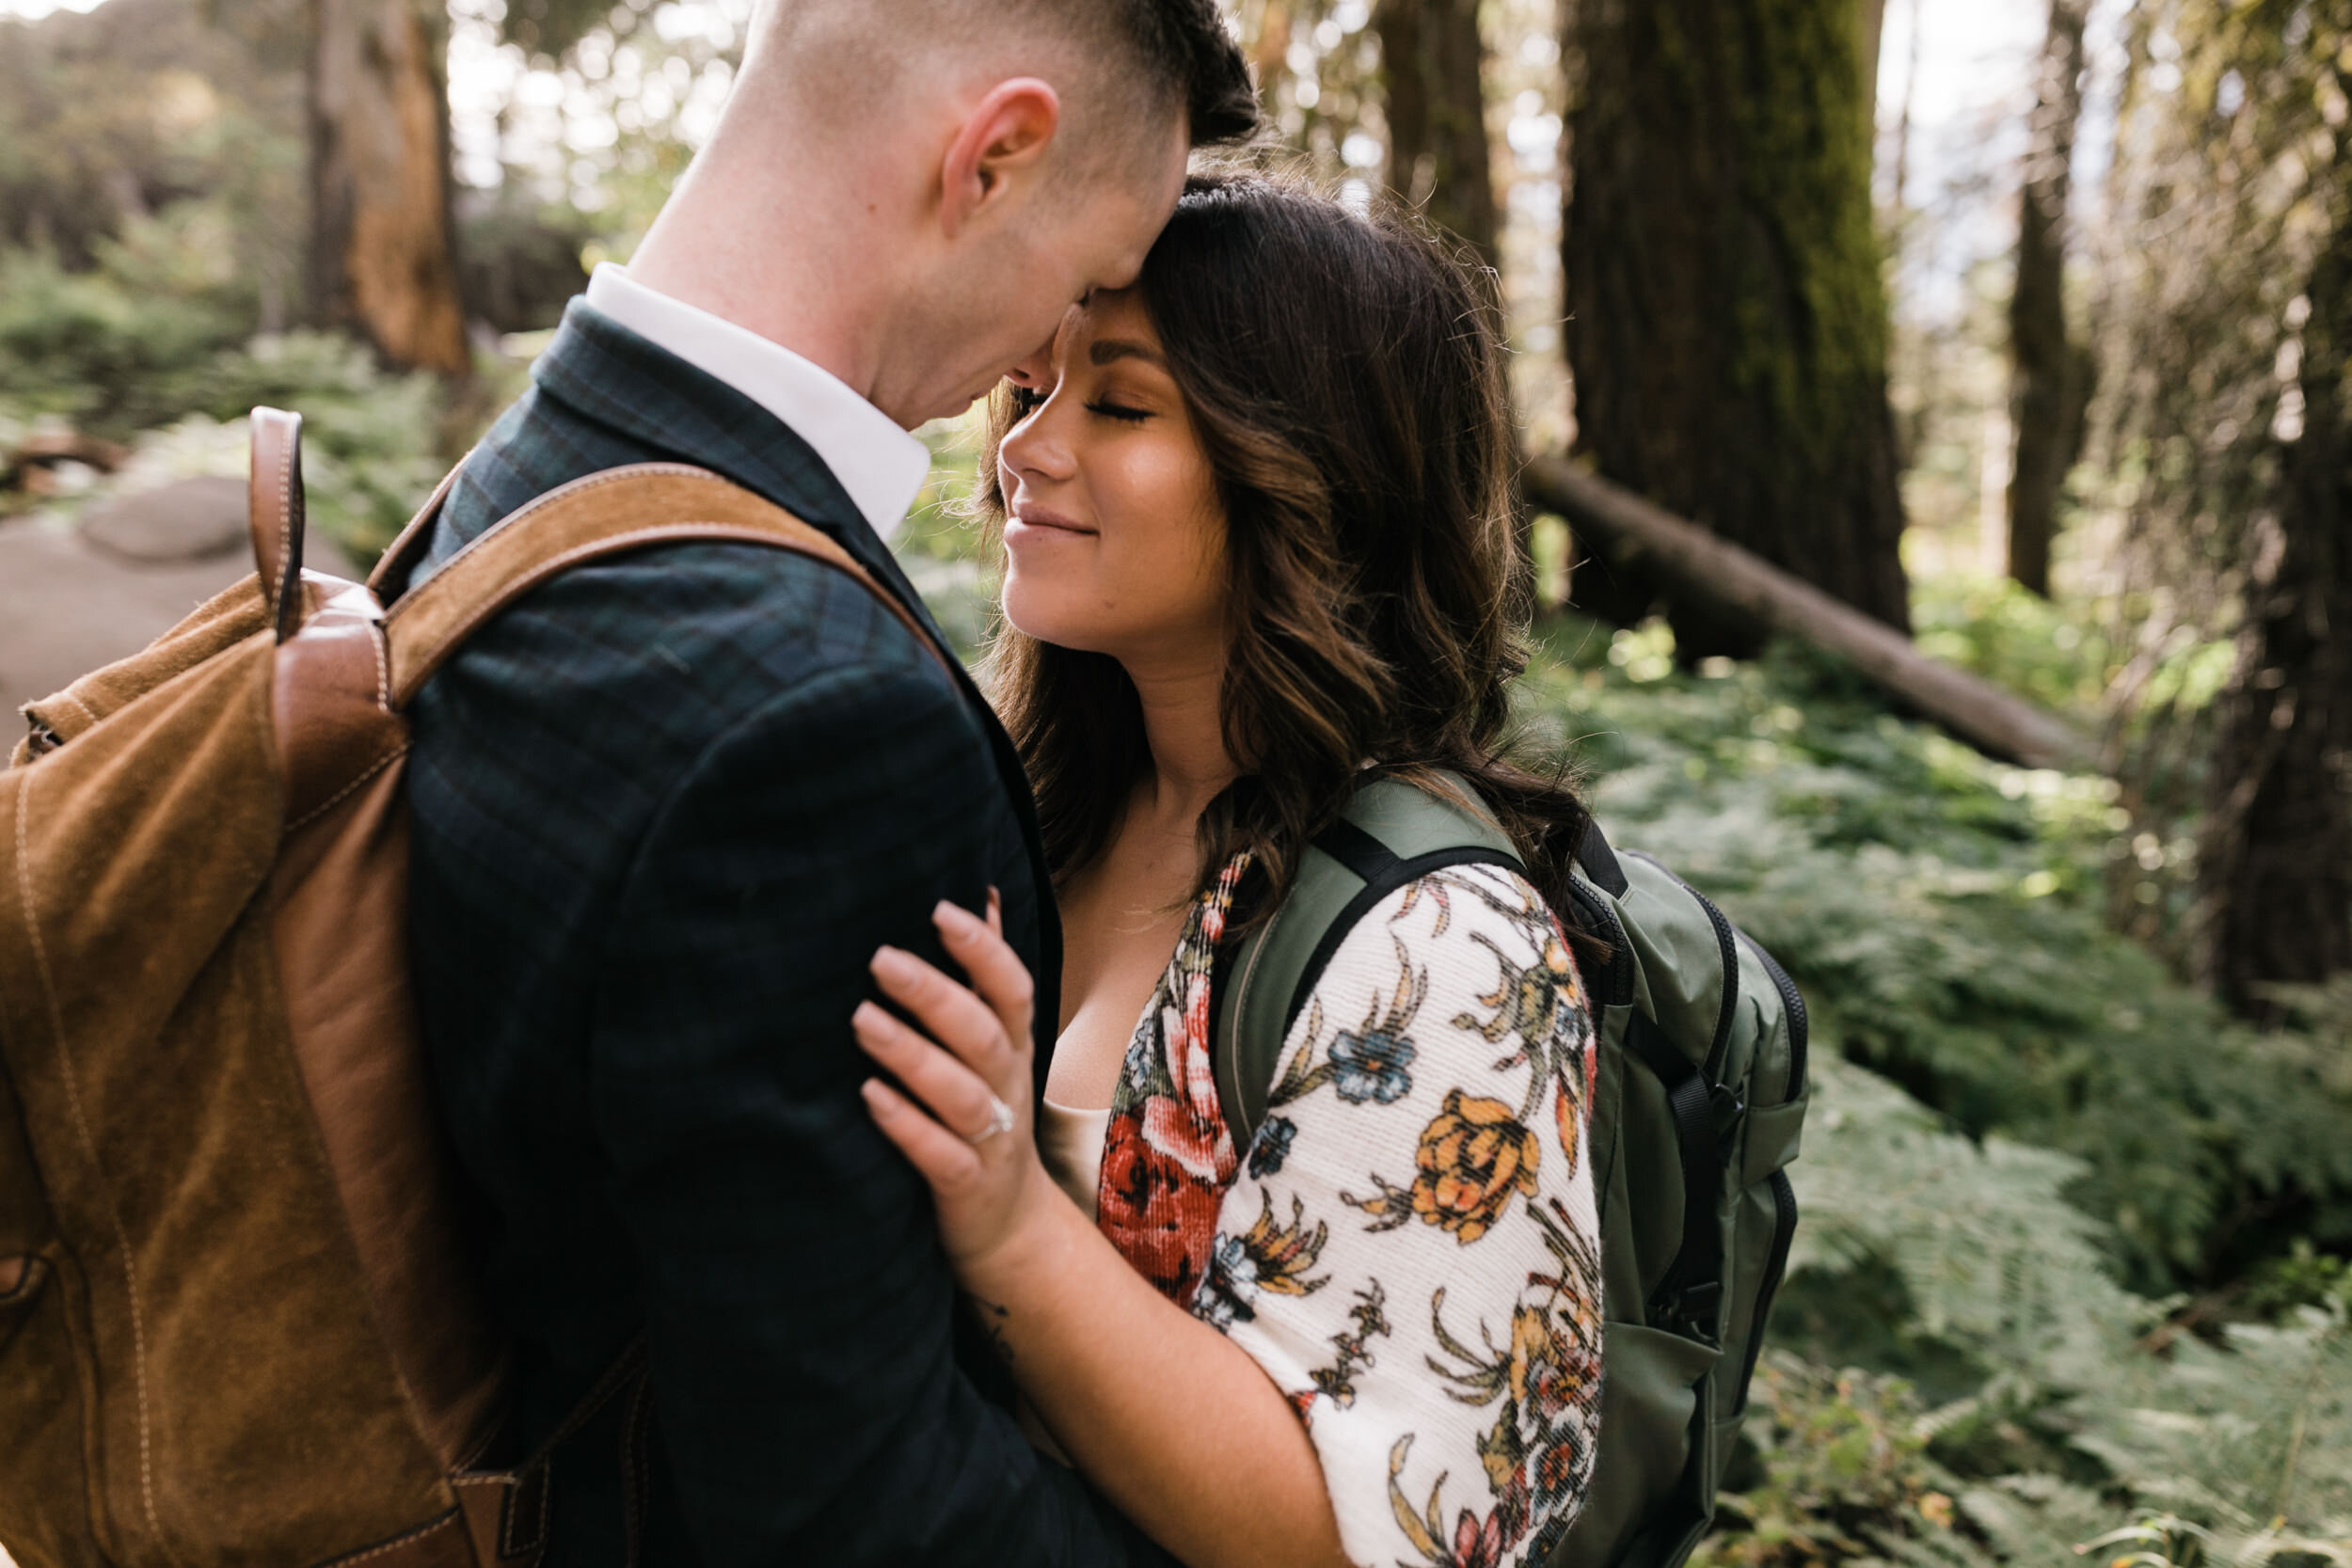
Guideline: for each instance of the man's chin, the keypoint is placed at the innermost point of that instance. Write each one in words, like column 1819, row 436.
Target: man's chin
column 953, row 406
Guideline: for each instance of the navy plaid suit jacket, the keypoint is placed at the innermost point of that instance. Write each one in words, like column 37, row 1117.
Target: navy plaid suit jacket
column 664, row 810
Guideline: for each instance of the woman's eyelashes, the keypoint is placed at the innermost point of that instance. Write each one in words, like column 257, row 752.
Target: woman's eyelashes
column 1124, row 413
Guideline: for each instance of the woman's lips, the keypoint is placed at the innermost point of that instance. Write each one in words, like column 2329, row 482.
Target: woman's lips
column 1035, row 519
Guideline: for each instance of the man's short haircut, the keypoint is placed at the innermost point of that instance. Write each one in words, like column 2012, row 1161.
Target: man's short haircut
column 1131, row 53
column 1184, row 47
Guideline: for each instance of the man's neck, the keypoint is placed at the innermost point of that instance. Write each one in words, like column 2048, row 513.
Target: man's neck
column 779, row 281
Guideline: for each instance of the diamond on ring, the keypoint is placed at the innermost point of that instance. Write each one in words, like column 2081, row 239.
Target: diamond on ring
column 999, row 1120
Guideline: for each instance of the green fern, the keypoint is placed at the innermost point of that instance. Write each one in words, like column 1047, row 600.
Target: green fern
column 1943, row 915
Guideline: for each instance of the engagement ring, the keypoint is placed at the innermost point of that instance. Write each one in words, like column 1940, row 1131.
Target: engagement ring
column 999, row 1120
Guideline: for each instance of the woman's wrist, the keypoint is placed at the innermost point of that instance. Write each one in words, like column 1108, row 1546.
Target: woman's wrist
column 1023, row 1254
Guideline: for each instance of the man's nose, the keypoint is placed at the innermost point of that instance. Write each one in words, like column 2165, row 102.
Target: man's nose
column 1035, row 369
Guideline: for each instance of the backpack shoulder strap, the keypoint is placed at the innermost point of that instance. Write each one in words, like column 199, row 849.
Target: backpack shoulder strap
column 1392, row 832
column 599, row 515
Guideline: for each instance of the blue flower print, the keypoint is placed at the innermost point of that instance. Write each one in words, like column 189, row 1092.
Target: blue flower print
column 1139, row 1060
column 1231, row 1286
column 1271, row 1147
column 1370, row 1066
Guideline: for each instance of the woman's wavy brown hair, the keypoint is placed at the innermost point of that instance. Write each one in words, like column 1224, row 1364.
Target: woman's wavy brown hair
column 1346, row 380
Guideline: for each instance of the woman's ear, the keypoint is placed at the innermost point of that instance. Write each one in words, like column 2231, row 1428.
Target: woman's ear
column 1003, row 138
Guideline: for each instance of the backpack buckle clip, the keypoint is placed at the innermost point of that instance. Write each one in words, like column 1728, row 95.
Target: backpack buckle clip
column 1726, row 1106
column 1686, row 1310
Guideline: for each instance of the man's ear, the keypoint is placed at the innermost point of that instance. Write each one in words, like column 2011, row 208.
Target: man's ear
column 1006, row 134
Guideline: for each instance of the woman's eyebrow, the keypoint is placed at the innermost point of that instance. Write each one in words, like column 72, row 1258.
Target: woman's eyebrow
column 1103, row 350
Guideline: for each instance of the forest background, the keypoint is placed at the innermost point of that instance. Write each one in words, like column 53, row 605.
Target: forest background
column 2019, row 327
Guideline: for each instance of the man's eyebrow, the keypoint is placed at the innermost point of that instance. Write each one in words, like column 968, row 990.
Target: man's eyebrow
column 1103, row 350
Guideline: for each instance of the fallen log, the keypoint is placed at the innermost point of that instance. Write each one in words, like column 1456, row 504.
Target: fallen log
column 1682, row 554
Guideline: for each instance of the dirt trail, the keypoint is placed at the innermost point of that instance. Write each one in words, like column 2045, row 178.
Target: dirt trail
column 75, row 596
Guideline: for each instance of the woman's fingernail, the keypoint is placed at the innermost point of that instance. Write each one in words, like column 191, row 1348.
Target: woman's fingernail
column 960, row 924
column 892, row 964
column 866, row 1017
column 877, row 1100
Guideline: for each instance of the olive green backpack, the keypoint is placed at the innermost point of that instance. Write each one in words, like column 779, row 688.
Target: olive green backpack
column 1702, row 1095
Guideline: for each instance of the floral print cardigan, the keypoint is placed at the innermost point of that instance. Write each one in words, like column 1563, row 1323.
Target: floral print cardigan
column 1409, row 1246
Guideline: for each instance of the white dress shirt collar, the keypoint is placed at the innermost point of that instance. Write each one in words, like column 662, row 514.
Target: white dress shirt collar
column 881, row 465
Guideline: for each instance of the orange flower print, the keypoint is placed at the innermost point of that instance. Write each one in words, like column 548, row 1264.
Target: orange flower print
column 1472, row 1157
column 1568, row 1115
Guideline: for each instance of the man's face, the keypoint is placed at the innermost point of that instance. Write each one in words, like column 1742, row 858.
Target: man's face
column 1015, row 289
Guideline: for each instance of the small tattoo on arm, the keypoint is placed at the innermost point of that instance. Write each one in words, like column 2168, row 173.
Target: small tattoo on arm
column 992, row 1316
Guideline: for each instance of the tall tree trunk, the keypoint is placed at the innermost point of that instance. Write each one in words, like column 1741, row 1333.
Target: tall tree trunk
column 1873, row 24
column 382, row 257
column 1902, row 112
column 1431, row 58
column 2274, row 858
column 1727, row 322
column 2048, row 372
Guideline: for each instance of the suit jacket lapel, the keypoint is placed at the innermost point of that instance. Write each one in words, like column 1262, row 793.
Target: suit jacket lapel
column 609, row 374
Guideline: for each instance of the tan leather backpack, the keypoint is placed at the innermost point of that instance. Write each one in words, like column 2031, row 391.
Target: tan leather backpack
column 236, row 1327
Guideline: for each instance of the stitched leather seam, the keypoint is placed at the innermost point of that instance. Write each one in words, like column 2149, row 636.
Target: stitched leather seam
column 396, row 558
column 636, row 1437
column 577, row 486
column 685, row 533
column 88, row 712
column 383, row 650
column 332, row 800
column 289, row 578
column 439, row 1522
column 89, row 1146
column 509, row 1544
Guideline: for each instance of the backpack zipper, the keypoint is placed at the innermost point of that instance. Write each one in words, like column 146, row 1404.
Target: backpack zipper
column 1792, row 1003
column 1775, row 1265
column 1728, row 948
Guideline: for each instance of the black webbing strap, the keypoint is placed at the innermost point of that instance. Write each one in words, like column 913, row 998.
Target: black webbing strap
column 1687, row 1297
column 1601, row 861
column 1356, row 849
column 1383, row 873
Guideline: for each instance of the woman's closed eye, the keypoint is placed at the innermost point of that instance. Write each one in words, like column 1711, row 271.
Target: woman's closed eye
column 1124, row 413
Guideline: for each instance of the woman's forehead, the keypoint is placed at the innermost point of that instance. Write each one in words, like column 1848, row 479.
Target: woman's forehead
column 1105, row 313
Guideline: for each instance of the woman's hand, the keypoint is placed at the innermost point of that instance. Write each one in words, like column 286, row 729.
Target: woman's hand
column 973, row 1135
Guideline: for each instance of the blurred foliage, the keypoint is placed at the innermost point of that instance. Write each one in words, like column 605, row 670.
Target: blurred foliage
column 371, row 446
column 2074, row 1242
column 109, row 119
column 591, row 132
column 1943, row 913
column 99, row 348
column 2071, row 1420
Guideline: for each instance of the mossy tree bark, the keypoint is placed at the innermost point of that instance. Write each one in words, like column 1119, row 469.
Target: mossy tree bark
column 2049, row 380
column 1727, row 324
column 382, row 256
column 2274, row 857
column 1873, row 23
column 1432, row 60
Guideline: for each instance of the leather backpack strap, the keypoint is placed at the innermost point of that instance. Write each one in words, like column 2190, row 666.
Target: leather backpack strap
column 400, row 558
column 274, row 512
column 599, row 515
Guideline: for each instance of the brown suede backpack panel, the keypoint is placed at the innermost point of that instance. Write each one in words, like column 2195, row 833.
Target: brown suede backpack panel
column 235, row 1324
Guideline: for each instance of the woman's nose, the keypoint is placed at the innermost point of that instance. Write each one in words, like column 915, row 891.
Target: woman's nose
column 1037, row 446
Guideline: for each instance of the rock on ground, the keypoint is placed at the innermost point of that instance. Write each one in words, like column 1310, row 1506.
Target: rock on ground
column 76, row 596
